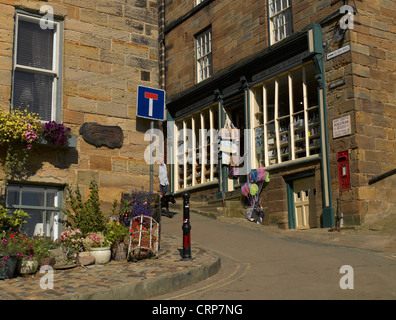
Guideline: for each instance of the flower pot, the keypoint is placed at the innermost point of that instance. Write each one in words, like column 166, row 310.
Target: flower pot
column 102, row 255
column 7, row 267
column 25, row 267
column 119, row 251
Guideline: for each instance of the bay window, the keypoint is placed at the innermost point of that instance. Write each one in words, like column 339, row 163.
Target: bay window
column 197, row 146
column 286, row 117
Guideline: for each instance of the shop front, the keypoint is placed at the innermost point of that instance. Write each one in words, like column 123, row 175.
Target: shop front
column 276, row 101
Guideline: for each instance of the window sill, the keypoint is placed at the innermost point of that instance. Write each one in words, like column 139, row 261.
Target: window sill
column 71, row 143
column 288, row 163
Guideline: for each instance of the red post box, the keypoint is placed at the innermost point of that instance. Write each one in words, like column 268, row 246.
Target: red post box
column 344, row 176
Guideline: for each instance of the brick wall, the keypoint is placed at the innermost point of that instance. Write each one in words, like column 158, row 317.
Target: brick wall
column 109, row 48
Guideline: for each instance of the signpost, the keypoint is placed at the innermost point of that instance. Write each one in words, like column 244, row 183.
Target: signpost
column 150, row 105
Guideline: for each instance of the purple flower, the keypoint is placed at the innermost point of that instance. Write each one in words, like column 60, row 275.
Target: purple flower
column 56, row 133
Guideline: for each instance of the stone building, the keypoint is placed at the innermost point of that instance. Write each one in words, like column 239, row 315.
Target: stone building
column 314, row 84
column 78, row 62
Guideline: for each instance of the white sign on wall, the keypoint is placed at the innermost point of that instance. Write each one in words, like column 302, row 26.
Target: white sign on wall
column 341, row 127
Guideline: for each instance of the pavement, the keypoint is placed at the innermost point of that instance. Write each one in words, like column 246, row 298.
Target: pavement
column 123, row 280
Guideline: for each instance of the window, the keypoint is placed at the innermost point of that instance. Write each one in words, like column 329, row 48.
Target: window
column 197, row 152
column 280, row 19
column 42, row 204
column 197, row 2
column 286, row 117
column 204, row 55
column 36, row 67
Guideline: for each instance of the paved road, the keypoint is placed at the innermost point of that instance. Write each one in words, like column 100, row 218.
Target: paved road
column 257, row 265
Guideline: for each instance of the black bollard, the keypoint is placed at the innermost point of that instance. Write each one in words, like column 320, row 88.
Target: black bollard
column 186, row 227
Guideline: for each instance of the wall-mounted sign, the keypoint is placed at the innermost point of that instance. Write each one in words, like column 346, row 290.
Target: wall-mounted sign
column 338, row 52
column 100, row 135
column 341, row 127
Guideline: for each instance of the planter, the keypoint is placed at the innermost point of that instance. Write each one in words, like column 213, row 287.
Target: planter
column 102, row 255
column 7, row 271
column 25, row 267
column 119, row 251
column 47, row 261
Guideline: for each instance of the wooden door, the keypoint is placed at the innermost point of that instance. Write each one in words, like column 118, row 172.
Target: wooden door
column 304, row 203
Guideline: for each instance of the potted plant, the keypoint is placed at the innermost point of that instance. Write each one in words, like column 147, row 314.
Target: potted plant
column 56, row 133
column 42, row 247
column 72, row 241
column 117, row 234
column 11, row 247
column 99, row 247
column 26, row 262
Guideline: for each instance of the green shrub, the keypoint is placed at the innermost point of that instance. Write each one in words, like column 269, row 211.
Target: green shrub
column 85, row 214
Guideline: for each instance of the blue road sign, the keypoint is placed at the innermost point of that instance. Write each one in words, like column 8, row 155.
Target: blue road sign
column 150, row 103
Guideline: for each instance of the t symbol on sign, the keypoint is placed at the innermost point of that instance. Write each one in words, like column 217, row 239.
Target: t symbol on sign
column 151, row 97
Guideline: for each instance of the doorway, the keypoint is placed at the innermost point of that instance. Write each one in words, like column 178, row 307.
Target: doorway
column 304, row 194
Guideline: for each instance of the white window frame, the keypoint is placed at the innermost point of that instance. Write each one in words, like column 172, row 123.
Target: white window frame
column 203, row 46
column 279, row 26
column 46, row 211
column 56, row 59
column 303, row 125
column 196, row 156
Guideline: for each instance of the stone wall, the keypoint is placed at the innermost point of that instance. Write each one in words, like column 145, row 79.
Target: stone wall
column 235, row 24
column 368, row 96
column 109, row 48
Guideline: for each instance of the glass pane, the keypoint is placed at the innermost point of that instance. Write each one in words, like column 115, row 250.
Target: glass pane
column 33, row 197
column 312, row 86
column 52, row 198
column 35, row 45
column 34, row 225
column 33, row 91
column 51, row 224
column 270, row 109
column 12, row 196
column 297, row 89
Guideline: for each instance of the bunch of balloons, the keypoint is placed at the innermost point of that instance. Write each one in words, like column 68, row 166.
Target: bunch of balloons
column 253, row 187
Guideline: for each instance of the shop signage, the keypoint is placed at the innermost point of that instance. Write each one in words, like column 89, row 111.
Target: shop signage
column 341, row 127
column 338, row 52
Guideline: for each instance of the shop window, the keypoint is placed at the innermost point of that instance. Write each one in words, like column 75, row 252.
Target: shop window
column 42, row 204
column 286, row 118
column 280, row 19
column 36, row 67
column 197, row 144
column 204, row 55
